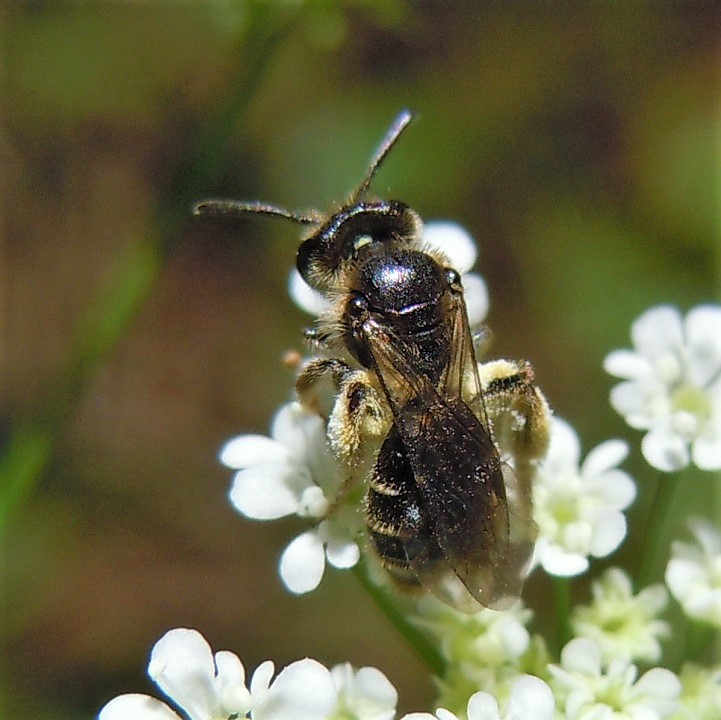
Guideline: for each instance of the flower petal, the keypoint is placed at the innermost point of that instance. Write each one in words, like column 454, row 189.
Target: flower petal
column 260, row 682
column 181, row 664
column 706, row 449
column 304, row 296
column 303, row 434
column 658, row 331
column 483, row 706
column 626, row 364
column 631, row 399
column 303, row 691
column 581, row 655
column 365, row 693
column 342, row 555
column 682, row 576
column 530, row 698
column 703, row 335
column 302, row 563
column 230, row 684
column 664, row 450
column 475, row 292
column 247, row 451
column 268, row 492
column 565, row 448
column 136, row 707
column 557, row 561
column 615, row 488
column 603, row 457
column 609, row 532
column 660, row 689
column 443, row 714
column 454, row 242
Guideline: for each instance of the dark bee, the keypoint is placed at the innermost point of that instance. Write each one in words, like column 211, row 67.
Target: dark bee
column 449, row 447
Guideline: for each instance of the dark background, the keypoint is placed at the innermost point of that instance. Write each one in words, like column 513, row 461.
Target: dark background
column 578, row 142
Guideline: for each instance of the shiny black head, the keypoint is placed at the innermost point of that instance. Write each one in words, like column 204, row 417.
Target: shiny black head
column 323, row 256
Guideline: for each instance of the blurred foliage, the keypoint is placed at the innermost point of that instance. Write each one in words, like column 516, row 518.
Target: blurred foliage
column 578, row 142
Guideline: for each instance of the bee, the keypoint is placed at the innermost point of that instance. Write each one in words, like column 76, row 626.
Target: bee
column 448, row 447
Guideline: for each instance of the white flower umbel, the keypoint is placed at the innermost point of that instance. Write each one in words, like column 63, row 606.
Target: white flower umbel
column 452, row 240
column 530, row 699
column 483, row 650
column 586, row 687
column 364, row 694
column 693, row 574
column 293, row 472
column 621, row 623
column 212, row 687
column 672, row 386
column 579, row 509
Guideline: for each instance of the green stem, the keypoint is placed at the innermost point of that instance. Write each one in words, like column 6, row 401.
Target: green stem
column 416, row 638
column 655, row 546
column 562, row 601
column 29, row 448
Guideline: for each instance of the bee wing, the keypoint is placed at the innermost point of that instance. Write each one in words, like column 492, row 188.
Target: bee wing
column 456, row 467
column 462, row 379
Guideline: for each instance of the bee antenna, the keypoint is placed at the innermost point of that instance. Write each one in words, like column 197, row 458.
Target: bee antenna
column 237, row 208
column 399, row 125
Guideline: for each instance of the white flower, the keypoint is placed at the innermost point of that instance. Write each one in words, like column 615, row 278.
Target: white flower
column 593, row 690
column 478, row 640
column 212, row 687
column 452, row 240
column 579, row 510
column 700, row 693
column 294, row 473
column 672, row 386
column 530, row 699
column 694, row 573
column 621, row 623
column 364, row 694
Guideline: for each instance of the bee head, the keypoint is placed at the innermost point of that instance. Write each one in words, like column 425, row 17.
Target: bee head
column 326, row 253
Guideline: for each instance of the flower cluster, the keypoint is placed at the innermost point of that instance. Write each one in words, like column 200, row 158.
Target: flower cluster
column 586, row 687
column 496, row 668
column 672, row 386
column 293, row 473
column 578, row 508
column 486, row 649
column 530, row 697
column 213, row 687
column 623, row 624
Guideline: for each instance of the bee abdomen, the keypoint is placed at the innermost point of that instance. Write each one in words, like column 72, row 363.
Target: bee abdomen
column 397, row 523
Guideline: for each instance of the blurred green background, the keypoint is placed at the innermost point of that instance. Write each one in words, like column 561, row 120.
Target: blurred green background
column 578, row 142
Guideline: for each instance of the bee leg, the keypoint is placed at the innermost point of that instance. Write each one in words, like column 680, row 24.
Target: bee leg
column 318, row 384
column 518, row 412
column 355, row 416
column 316, row 337
column 349, row 401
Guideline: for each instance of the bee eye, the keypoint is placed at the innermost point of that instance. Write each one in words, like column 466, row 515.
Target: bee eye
column 453, row 278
